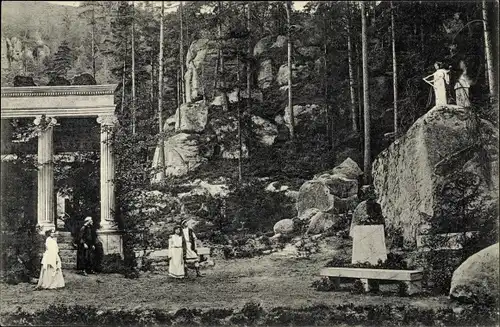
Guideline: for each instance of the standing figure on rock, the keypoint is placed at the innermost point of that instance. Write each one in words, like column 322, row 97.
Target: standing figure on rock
column 51, row 276
column 439, row 81
column 87, row 239
column 190, row 254
column 176, row 246
column 462, row 87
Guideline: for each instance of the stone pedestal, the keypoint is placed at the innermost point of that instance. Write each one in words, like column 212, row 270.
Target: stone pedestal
column 109, row 234
column 45, row 186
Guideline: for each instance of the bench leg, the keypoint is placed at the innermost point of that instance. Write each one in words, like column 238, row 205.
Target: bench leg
column 336, row 282
column 413, row 287
column 370, row 285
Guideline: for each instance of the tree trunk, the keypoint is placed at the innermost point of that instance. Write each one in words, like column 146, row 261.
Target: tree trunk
column 151, row 77
column 225, row 100
column 123, row 89
column 358, row 87
column 488, row 51
column 351, row 75
column 92, row 42
column 240, row 145
column 249, row 68
column 367, row 152
column 394, row 72
column 133, row 71
column 161, row 144
column 289, row 56
column 181, row 54
column 329, row 121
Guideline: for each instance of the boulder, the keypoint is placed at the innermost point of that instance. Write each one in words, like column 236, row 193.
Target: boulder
column 191, row 117
column 284, row 227
column 183, row 153
column 320, row 222
column 348, row 168
column 411, row 175
column 314, row 194
column 339, row 184
column 265, row 74
column 367, row 212
column 476, row 279
column 265, row 130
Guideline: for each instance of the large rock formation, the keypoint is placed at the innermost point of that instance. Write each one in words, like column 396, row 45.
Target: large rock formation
column 329, row 191
column 413, row 176
column 476, row 280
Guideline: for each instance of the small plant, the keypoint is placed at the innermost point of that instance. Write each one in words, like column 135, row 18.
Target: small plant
column 324, row 284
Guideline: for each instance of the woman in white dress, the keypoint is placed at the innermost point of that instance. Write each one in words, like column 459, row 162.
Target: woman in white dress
column 51, row 276
column 462, row 87
column 439, row 81
column 176, row 254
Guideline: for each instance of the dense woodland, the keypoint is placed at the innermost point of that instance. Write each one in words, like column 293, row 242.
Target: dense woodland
column 368, row 61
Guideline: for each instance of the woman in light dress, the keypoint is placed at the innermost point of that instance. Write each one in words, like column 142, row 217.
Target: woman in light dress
column 51, row 276
column 462, row 87
column 176, row 245
column 439, row 81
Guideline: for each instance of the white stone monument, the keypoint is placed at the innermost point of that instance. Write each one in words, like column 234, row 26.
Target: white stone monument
column 368, row 244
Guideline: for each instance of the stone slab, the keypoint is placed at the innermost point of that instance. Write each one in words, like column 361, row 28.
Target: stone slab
column 368, row 244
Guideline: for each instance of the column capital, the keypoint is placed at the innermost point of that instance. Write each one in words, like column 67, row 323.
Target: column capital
column 44, row 122
column 108, row 120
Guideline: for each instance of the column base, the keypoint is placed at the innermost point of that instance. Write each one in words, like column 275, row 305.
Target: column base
column 42, row 228
column 112, row 241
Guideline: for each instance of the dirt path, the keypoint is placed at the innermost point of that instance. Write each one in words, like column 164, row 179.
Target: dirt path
column 273, row 281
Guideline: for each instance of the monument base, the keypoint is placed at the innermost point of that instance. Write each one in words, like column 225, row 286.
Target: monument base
column 112, row 241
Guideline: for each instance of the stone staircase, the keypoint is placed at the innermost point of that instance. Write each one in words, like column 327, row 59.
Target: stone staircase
column 66, row 250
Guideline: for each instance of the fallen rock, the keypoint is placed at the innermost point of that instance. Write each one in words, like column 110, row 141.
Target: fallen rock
column 348, row 168
column 284, row 227
column 476, row 279
column 262, row 46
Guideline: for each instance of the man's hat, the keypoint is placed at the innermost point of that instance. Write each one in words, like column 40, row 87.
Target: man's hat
column 184, row 222
column 88, row 219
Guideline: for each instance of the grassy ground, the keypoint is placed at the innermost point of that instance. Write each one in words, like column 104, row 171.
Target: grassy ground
column 273, row 281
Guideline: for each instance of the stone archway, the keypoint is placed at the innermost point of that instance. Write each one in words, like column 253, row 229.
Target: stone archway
column 45, row 104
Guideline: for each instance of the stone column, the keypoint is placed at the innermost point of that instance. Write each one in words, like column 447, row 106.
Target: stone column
column 109, row 234
column 107, row 172
column 45, row 187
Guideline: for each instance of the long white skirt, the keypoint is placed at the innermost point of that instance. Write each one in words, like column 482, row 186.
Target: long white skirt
column 50, row 278
column 176, row 263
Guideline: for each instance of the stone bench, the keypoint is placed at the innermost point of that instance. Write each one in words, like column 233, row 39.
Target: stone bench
column 412, row 278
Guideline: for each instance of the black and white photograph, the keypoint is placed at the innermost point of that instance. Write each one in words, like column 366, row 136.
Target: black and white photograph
column 250, row 163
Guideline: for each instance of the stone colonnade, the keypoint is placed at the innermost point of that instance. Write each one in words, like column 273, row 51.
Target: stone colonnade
column 108, row 233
